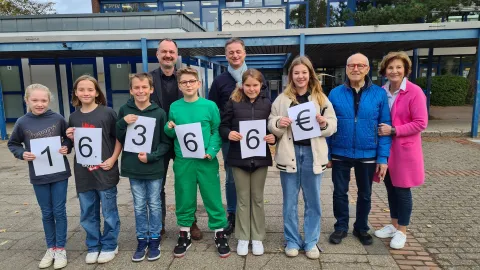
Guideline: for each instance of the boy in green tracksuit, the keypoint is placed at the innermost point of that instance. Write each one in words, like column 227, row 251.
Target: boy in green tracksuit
column 190, row 171
column 145, row 170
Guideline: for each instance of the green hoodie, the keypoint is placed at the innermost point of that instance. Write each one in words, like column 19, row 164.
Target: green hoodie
column 131, row 166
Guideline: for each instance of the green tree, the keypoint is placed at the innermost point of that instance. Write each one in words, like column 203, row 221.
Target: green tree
column 25, row 7
column 317, row 15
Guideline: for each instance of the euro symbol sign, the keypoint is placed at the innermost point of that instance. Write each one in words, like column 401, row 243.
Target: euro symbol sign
column 302, row 121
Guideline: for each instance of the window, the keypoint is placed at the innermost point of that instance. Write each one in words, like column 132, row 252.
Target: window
column 449, row 65
column 253, row 3
column 177, row 6
column 209, row 3
column 297, row 16
column 111, row 6
column 273, row 2
column 234, row 3
column 192, row 9
column 210, row 19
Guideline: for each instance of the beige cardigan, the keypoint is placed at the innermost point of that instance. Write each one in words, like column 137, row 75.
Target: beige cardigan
column 285, row 151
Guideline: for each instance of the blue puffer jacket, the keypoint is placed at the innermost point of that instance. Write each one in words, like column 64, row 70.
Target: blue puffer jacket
column 357, row 135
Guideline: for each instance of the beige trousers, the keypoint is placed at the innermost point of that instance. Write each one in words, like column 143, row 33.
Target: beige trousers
column 250, row 217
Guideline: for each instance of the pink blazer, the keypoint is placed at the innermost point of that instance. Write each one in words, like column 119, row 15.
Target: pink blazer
column 409, row 117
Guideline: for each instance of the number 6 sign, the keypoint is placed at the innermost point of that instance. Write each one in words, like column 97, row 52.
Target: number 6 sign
column 88, row 146
column 47, row 158
column 190, row 138
column 252, row 143
column 140, row 135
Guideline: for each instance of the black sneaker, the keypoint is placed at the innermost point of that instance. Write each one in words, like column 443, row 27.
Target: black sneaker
column 364, row 237
column 337, row 236
column 221, row 242
column 184, row 242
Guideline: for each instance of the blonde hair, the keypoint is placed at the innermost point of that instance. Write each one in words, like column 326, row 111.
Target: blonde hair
column 99, row 100
column 314, row 86
column 237, row 94
column 141, row 76
column 36, row 86
column 387, row 59
column 187, row 70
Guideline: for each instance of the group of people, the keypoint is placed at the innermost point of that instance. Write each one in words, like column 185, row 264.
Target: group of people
column 375, row 130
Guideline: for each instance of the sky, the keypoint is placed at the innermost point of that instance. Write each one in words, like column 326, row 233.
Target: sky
column 71, row 6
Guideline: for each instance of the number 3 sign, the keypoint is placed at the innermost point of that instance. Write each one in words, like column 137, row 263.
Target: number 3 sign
column 140, row 135
column 190, row 138
column 47, row 158
column 252, row 143
column 88, row 146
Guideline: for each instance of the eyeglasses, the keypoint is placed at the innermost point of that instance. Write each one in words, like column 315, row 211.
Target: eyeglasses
column 185, row 83
column 359, row 66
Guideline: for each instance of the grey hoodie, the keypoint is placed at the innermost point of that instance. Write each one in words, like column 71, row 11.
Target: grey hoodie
column 31, row 126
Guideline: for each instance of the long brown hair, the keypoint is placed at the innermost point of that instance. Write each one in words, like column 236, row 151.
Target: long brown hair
column 314, row 86
column 99, row 100
column 237, row 94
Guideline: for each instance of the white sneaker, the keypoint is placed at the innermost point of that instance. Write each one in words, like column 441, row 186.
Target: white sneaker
column 107, row 256
column 47, row 259
column 91, row 257
column 386, row 232
column 60, row 259
column 398, row 240
column 313, row 253
column 257, row 247
column 242, row 247
column 291, row 252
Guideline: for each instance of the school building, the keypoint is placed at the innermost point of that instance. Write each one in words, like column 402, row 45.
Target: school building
column 121, row 37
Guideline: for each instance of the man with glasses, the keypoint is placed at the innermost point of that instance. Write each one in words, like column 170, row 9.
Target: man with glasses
column 360, row 107
column 220, row 92
column 165, row 93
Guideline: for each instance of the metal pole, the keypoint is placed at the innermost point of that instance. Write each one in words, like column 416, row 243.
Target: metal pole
column 429, row 77
column 3, row 124
column 59, row 86
column 302, row 44
column 415, row 65
column 476, row 100
column 328, row 14
column 144, row 55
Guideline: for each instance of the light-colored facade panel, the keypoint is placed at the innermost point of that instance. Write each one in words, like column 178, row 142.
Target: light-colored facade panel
column 246, row 19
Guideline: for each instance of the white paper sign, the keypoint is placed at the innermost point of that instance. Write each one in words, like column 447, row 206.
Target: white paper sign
column 304, row 122
column 88, row 146
column 47, row 158
column 191, row 142
column 252, row 143
column 140, row 135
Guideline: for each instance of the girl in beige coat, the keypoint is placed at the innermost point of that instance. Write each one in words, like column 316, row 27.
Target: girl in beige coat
column 301, row 163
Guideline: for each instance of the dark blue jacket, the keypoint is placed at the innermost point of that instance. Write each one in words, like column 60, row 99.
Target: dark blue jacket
column 357, row 134
column 223, row 86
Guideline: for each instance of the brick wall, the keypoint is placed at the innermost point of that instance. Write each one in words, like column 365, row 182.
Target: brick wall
column 95, row 6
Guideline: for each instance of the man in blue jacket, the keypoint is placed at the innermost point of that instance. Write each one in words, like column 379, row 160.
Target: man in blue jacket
column 220, row 92
column 360, row 107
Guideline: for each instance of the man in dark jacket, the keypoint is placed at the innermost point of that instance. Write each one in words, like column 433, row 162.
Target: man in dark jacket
column 220, row 91
column 165, row 93
column 360, row 107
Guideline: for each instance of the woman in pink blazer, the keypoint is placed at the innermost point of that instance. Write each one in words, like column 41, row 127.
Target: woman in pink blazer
column 408, row 109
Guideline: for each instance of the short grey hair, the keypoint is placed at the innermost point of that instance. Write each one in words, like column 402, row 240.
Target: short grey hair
column 366, row 58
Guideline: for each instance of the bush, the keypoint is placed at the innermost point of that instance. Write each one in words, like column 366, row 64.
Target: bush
column 447, row 90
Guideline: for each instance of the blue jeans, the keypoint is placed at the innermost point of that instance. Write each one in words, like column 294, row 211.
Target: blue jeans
column 341, row 179
column 148, row 207
column 310, row 183
column 399, row 201
column 52, row 198
column 230, row 190
column 90, row 219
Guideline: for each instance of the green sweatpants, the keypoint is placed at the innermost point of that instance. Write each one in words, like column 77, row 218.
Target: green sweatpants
column 188, row 173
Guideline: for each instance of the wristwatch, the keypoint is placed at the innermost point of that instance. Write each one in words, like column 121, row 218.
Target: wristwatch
column 393, row 132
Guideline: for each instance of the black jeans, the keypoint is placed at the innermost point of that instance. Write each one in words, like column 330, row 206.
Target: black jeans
column 400, row 202
column 341, row 178
column 166, row 160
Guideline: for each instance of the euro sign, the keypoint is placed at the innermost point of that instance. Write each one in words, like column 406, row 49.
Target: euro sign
column 302, row 121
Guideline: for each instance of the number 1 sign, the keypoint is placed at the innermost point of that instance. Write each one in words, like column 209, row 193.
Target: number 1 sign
column 190, row 138
column 252, row 143
column 47, row 158
column 88, row 146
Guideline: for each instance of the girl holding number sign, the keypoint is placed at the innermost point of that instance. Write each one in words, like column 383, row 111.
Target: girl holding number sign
column 247, row 103
column 51, row 188
column 301, row 162
column 96, row 184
